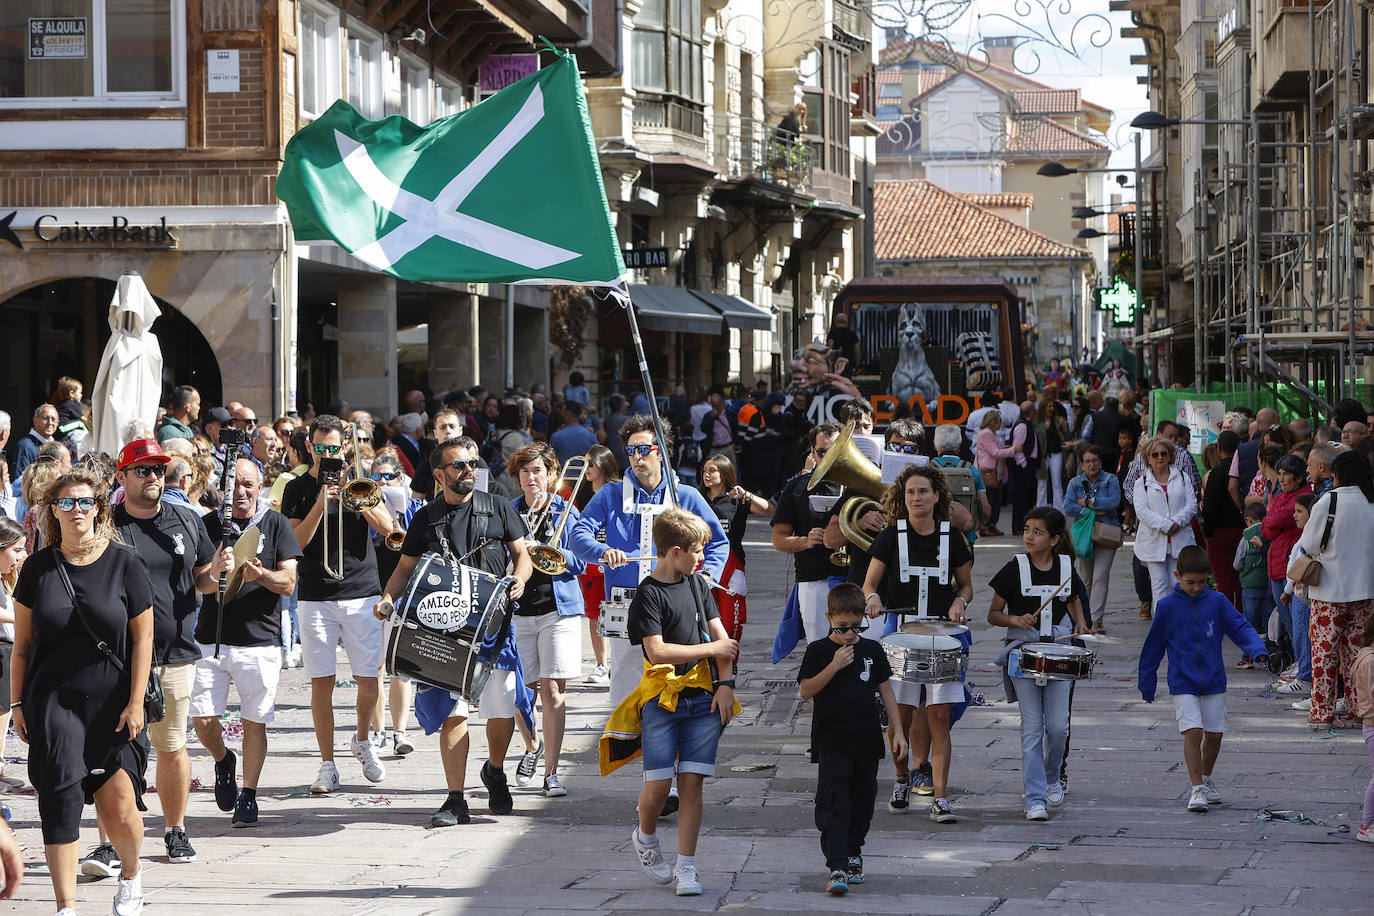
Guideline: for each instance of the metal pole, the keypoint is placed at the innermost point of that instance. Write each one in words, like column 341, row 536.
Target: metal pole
column 510, row 336
column 1199, row 274
column 1139, row 258
column 653, row 401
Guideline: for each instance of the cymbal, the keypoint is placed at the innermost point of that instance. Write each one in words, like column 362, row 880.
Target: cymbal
column 245, row 548
column 1099, row 638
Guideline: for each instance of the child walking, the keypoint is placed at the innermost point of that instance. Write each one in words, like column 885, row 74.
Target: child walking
column 1252, row 563
column 1043, row 575
column 12, row 555
column 840, row 674
column 682, row 705
column 1362, row 673
column 1188, row 624
column 1300, row 613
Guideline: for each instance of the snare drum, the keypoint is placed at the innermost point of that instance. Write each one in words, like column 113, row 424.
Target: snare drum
column 928, row 659
column 449, row 627
column 614, row 620
column 1044, row 662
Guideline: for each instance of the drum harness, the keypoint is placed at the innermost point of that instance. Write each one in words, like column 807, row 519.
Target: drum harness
column 1044, row 593
column 905, row 571
column 482, row 508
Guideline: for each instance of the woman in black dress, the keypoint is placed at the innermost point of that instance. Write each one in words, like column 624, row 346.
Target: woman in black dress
column 81, row 715
column 732, row 505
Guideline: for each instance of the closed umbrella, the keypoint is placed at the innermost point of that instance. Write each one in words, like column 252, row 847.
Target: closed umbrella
column 129, row 383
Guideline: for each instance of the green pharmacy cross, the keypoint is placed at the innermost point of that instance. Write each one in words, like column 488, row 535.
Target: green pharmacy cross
column 1121, row 301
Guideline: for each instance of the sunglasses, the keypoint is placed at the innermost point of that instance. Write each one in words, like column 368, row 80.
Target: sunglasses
column 68, row 503
column 907, row 449
column 464, row 464
column 326, row 449
column 1159, row 454
column 840, row 631
column 143, row 470
column 641, row 450
column 246, row 421
column 385, row 475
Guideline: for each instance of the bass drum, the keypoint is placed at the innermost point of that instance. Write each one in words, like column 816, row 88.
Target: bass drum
column 449, row 626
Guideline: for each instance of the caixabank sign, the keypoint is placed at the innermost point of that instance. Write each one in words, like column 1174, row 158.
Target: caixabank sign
column 113, row 232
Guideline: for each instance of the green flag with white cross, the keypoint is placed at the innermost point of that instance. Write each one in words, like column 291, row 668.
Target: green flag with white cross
column 507, row 191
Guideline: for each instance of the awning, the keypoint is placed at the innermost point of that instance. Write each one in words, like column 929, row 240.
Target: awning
column 739, row 314
column 672, row 308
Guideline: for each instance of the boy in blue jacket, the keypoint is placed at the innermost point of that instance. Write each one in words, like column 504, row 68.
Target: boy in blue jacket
column 1189, row 624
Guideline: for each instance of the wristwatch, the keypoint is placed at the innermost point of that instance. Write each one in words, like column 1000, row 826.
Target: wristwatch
column 730, row 683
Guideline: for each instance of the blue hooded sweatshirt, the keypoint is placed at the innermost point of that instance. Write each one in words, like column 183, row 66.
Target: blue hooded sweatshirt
column 1190, row 630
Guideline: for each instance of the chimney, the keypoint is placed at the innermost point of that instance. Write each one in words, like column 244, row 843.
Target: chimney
column 1001, row 51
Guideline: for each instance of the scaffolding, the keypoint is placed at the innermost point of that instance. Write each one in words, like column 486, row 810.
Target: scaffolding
column 1281, row 236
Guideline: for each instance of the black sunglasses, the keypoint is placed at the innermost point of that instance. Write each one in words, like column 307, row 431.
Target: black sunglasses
column 143, row 470
column 641, row 450
column 903, row 448
column 464, row 464
column 385, row 475
column 840, row 631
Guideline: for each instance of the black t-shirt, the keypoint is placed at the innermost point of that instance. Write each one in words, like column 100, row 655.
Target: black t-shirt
column 733, row 515
column 845, row 713
column 670, row 610
column 359, row 556
column 1007, row 583
column 465, row 530
column 173, row 544
column 844, row 339
column 922, row 550
column 794, row 508
column 538, row 597
column 254, row 617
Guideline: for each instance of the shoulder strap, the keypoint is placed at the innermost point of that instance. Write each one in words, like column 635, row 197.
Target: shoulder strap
column 1330, row 519
column 100, row 644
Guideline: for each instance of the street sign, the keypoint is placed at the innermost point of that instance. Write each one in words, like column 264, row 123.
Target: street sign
column 497, row 71
column 57, row 38
column 641, row 258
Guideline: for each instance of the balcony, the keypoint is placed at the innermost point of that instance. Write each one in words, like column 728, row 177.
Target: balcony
column 1283, row 62
column 670, row 125
column 1149, row 233
column 753, row 151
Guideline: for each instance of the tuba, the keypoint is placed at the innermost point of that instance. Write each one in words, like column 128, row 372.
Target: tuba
column 547, row 558
column 846, row 465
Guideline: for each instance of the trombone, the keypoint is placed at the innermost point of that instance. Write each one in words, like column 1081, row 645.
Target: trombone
column 331, row 469
column 359, row 495
column 547, row 558
column 396, row 538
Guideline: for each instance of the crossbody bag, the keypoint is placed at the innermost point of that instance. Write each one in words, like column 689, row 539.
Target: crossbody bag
column 1307, row 570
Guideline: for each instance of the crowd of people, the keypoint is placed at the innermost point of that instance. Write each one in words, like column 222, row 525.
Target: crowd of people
column 136, row 566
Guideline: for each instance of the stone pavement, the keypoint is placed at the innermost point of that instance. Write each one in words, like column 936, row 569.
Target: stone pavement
column 1122, row 843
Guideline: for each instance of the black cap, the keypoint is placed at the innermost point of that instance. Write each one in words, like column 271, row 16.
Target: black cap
column 217, row 415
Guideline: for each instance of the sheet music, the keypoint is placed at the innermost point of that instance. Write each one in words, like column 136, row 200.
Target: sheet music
column 893, row 463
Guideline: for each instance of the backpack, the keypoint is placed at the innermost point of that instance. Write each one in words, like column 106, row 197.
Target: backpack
column 963, row 490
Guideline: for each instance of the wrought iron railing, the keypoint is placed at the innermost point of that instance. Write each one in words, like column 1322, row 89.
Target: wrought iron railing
column 668, row 112
column 752, row 150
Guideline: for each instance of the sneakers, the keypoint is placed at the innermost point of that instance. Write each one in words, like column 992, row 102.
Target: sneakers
column 600, row 676
column 838, row 884
column 400, row 744
column 499, row 800
column 245, row 810
column 1197, row 800
column 941, row 812
column 552, row 787
column 179, row 849
column 925, row 779
column 1037, row 813
column 8, row 782
column 1054, row 794
column 128, row 899
column 901, row 797
column 651, row 859
column 378, row 740
column 1210, row 791
column 1365, row 834
column 1340, row 708
column 685, row 881
column 524, row 771
column 453, row 812
column 670, row 804
column 101, row 862
column 1294, row 687
column 855, row 869
column 226, row 781
column 366, row 752
column 1303, row 705
column 327, row 780
column 1244, row 663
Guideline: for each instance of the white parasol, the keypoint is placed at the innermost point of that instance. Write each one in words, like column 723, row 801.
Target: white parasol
column 129, row 384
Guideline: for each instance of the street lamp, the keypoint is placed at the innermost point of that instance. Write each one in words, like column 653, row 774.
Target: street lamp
column 1060, row 170
column 1153, row 120
column 1089, row 233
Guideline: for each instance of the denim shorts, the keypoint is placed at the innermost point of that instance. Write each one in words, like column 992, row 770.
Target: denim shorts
column 682, row 741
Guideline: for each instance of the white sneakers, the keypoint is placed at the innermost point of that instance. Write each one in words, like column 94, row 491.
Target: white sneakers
column 128, row 899
column 600, row 676
column 327, row 781
column 1294, row 687
column 1054, row 794
column 1197, row 800
column 651, row 859
column 366, row 752
column 1210, row 791
column 1037, row 813
column 685, row 880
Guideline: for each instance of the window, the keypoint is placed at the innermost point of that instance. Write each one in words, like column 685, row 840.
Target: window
column 890, row 91
column 365, row 74
column 319, row 60
column 414, row 90
column 448, row 98
column 99, row 52
column 668, row 48
column 825, row 82
column 889, row 112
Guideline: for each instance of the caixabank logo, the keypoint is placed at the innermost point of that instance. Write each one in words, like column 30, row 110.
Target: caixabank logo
column 7, row 231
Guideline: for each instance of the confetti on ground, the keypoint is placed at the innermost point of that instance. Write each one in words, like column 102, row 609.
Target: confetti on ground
column 979, row 700
column 1297, row 817
column 369, row 801
column 1049, row 846
column 751, row 767
column 346, row 682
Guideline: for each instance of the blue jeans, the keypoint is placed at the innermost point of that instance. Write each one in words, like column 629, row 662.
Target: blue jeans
column 1294, row 617
column 1044, row 731
column 683, row 740
column 1256, row 605
column 290, row 622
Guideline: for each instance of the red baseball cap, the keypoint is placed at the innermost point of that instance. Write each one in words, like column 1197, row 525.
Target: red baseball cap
column 141, row 450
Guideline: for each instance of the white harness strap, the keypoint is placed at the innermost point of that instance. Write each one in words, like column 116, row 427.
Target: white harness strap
column 646, row 512
column 1042, row 592
column 940, row 571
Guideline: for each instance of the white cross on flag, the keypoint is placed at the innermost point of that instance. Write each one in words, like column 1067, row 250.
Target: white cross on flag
column 509, row 190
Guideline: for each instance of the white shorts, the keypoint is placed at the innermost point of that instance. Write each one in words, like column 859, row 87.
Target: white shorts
column 324, row 623
column 497, row 700
column 1207, row 713
column 550, row 646
column 909, row 694
column 254, row 671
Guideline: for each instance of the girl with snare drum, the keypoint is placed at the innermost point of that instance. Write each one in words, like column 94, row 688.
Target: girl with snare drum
column 1037, row 596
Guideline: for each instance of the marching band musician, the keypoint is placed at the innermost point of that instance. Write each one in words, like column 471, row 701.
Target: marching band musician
column 919, row 562
column 797, row 529
column 627, row 512
column 336, row 608
column 548, row 633
column 483, row 531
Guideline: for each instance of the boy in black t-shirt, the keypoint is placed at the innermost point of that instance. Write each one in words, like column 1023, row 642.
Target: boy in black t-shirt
column 841, row 672
column 682, row 711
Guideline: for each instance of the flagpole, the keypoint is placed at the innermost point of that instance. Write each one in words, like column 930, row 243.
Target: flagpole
column 653, row 401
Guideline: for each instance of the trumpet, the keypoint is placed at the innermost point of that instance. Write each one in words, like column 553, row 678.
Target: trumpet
column 360, row 493
column 547, row 558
